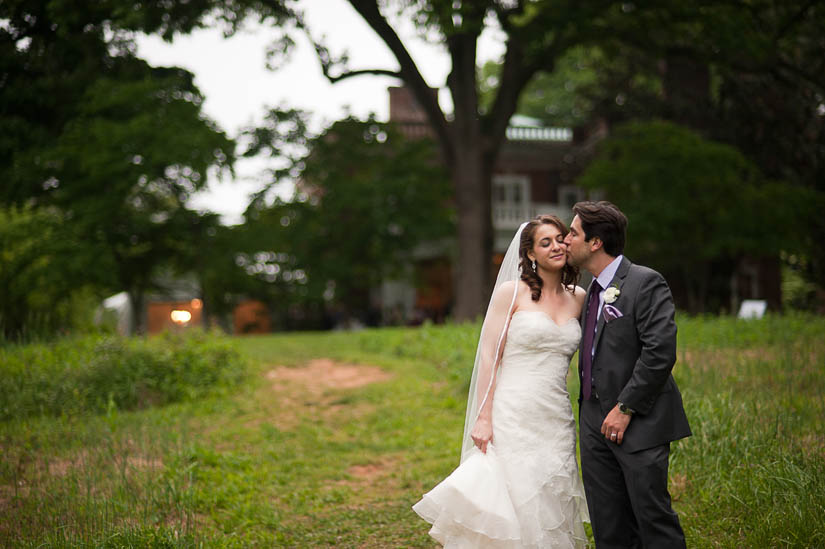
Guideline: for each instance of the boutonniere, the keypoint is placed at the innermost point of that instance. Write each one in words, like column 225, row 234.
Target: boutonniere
column 611, row 293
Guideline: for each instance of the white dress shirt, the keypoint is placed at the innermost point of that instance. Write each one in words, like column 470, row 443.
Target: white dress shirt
column 605, row 278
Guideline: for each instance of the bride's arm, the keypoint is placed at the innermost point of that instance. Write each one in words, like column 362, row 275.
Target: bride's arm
column 493, row 338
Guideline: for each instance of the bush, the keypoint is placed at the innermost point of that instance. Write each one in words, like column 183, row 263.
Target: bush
column 97, row 373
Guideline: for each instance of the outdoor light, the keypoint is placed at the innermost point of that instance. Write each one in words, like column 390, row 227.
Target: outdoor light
column 196, row 303
column 180, row 317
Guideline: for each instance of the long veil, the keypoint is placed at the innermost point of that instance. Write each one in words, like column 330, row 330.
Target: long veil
column 491, row 340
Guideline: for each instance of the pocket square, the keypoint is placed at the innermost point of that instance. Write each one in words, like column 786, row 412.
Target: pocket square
column 611, row 313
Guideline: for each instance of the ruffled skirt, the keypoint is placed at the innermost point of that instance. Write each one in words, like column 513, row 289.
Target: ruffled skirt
column 506, row 501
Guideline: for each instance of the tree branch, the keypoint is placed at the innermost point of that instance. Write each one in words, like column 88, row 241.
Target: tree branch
column 791, row 22
column 361, row 72
column 512, row 80
column 409, row 73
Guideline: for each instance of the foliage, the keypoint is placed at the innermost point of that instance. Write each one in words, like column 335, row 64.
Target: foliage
column 797, row 293
column 46, row 272
column 112, row 145
column 558, row 98
column 99, row 373
column 685, row 196
column 366, row 199
column 749, row 75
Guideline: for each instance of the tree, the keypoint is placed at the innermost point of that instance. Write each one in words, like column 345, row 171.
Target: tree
column 557, row 98
column 44, row 266
column 537, row 36
column 695, row 206
column 751, row 76
column 116, row 146
column 366, row 199
column 756, row 37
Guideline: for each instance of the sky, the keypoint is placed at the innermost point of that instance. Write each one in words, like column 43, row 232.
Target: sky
column 232, row 75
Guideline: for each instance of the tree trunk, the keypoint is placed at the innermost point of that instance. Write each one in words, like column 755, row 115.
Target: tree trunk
column 471, row 181
column 475, row 236
column 136, row 297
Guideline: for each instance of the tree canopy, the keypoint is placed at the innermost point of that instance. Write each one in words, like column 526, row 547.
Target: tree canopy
column 694, row 205
column 675, row 54
column 366, row 199
column 116, row 146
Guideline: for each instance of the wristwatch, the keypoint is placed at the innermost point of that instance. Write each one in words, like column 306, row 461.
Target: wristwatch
column 625, row 410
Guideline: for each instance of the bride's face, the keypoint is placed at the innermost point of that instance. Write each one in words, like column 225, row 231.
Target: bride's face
column 549, row 251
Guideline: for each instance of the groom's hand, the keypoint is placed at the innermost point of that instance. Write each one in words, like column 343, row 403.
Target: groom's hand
column 615, row 423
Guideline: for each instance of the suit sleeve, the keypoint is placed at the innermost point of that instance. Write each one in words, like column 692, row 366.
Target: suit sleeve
column 657, row 334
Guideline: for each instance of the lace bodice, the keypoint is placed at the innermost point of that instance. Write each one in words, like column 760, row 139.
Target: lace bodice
column 536, row 345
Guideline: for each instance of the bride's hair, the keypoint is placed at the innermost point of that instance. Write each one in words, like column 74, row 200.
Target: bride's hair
column 569, row 273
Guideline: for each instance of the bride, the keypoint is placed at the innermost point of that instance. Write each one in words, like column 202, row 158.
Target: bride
column 518, row 483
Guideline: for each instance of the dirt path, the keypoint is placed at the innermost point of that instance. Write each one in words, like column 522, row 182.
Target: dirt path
column 322, row 374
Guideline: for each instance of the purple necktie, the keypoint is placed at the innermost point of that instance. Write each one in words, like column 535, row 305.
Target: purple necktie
column 587, row 339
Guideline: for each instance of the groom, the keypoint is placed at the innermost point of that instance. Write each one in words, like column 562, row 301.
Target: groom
column 629, row 406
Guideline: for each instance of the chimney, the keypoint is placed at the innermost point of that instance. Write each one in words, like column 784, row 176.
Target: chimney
column 404, row 108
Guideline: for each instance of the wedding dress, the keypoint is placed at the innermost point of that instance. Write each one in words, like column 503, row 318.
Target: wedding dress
column 526, row 490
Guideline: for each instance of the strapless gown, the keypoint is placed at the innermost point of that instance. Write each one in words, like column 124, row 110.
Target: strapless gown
column 526, row 490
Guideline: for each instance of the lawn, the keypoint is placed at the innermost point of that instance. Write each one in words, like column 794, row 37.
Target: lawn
column 327, row 439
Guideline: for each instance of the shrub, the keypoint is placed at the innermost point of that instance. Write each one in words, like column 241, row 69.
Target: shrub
column 96, row 373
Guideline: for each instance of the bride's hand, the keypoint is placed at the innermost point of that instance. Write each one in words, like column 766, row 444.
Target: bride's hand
column 482, row 434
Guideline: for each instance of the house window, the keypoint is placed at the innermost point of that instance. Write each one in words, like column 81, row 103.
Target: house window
column 511, row 189
column 569, row 195
column 511, row 200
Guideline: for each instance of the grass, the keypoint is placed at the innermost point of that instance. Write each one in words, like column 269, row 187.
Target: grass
column 299, row 454
column 97, row 373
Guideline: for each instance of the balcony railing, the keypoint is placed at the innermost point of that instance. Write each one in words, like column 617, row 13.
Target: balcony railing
column 531, row 133
column 415, row 130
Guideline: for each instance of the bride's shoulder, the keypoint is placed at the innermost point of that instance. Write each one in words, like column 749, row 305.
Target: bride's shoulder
column 578, row 293
column 507, row 288
column 505, row 293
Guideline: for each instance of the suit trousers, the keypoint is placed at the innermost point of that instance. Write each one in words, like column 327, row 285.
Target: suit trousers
column 626, row 492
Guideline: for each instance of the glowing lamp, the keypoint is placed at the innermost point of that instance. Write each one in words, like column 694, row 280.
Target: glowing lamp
column 180, row 317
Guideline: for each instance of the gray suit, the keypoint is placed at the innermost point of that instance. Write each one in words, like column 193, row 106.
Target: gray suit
column 626, row 484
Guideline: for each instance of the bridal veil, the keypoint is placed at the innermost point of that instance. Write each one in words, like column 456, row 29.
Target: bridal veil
column 493, row 334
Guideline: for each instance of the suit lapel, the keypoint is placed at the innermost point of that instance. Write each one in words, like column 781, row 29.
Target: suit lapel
column 618, row 280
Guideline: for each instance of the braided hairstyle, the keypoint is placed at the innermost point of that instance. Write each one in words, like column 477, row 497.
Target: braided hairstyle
column 569, row 273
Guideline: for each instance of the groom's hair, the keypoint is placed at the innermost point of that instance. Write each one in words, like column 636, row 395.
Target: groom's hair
column 605, row 220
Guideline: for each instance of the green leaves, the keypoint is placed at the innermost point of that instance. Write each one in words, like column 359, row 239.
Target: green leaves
column 695, row 206
column 366, row 198
column 108, row 144
column 44, row 266
column 90, row 374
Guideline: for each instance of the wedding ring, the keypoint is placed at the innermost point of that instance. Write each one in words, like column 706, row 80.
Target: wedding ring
column 613, row 435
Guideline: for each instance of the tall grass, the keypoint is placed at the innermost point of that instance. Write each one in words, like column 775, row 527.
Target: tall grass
column 755, row 468
column 77, row 467
column 99, row 372
column 278, row 462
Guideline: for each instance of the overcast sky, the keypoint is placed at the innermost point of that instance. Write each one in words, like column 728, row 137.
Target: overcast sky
column 232, row 75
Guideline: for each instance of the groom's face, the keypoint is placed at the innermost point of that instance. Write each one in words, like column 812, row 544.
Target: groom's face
column 578, row 251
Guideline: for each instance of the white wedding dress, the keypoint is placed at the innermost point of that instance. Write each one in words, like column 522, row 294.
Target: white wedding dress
column 526, row 490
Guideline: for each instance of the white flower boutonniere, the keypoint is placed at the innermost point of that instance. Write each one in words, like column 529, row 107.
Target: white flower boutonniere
column 611, row 294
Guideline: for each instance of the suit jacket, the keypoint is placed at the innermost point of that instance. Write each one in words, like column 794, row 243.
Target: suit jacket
column 634, row 356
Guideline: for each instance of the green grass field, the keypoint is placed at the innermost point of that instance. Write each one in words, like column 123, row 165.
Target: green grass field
column 327, row 439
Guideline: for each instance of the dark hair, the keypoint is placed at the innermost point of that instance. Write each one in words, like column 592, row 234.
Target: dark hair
column 604, row 220
column 569, row 273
